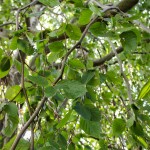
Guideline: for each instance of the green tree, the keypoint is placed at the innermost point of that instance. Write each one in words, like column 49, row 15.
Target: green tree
column 74, row 75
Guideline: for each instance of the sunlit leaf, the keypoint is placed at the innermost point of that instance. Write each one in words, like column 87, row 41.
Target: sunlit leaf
column 76, row 64
column 73, row 32
column 50, row 3
column 145, row 90
column 56, row 46
column 22, row 145
column 85, row 16
column 73, row 89
column 64, row 120
column 118, row 126
column 13, row 44
column 12, row 92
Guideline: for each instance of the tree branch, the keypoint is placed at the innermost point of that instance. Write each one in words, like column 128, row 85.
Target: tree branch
column 126, row 5
column 108, row 57
column 28, row 123
column 69, row 52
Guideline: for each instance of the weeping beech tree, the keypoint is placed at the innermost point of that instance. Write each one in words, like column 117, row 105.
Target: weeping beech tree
column 74, row 74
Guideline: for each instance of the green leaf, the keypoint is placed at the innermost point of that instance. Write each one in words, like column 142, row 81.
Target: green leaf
column 85, row 16
column 90, row 127
column 88, row 112
column 20, row 99
column 142, row 141
column 18, row 66
column 50, row 91
column 52, row 57
column 129, row 40
column 12, row 121
column 71, row 146
column 78, row 3
column 13, row 44
column 130, row 121
column 145, row 90
column 87, row 76
column 3, row 74
column 62, row 142
column 56, row 46
column 39, row 80
column 76, row 64
column 12, row 92
column 73, row 89
column 22, row 145
column 50, row 3
column 118, row 126
column 5, row 64
column 98, row 29
column 58, row 31
column 83, row 111
column 64, row 120
column 73, row 32
column 137, row 129
column 24, row 46
column 95, row 113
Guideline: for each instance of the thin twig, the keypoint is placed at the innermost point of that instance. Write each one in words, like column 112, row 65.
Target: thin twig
column 69, row 52
column 19, row 10
column 27, row 101
column 122, row 73
column 22, row 82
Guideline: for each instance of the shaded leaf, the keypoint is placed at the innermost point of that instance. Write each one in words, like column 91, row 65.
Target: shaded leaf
column 137, row 129
column 39, row 80
column 87, row 76
column 5, row 64
column 50, row 91
column 88, row 112
column 90, row 127
column 83, row 111
column 129, row 40
column 24, row 46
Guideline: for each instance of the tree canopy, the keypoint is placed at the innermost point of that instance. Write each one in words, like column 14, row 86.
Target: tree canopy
column 74, row 75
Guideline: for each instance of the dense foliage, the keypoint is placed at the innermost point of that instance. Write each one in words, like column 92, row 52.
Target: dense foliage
column 74, row 74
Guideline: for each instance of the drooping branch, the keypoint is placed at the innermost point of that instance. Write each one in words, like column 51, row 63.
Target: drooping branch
column 28, row 123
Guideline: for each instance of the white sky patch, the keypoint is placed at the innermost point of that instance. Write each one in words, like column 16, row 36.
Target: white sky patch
column 27, row 135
